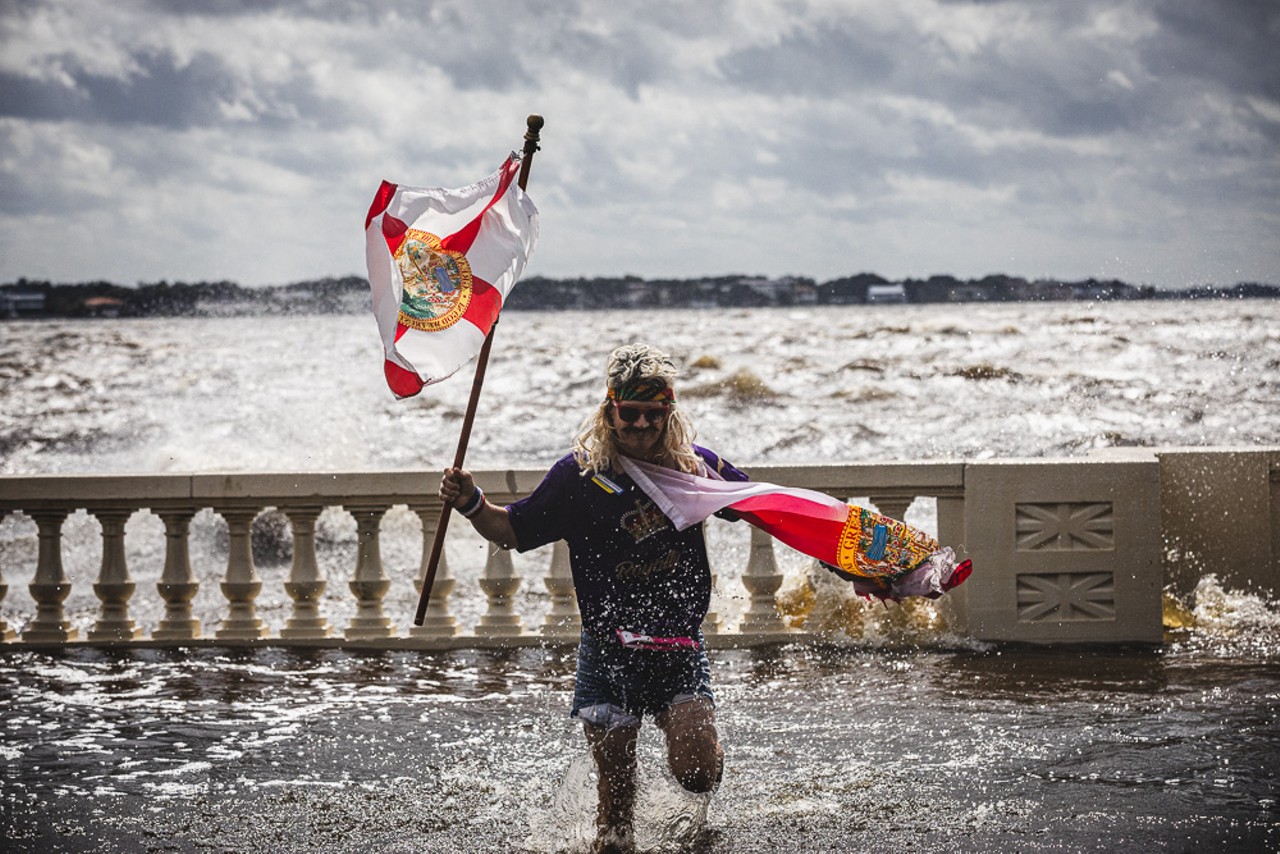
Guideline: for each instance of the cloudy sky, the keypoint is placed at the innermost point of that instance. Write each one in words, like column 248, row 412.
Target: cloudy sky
column 1140, row 139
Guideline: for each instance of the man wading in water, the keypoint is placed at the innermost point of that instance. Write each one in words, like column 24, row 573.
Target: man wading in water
column 643, row 587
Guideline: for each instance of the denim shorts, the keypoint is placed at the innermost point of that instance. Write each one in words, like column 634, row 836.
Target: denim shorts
column 637, row 681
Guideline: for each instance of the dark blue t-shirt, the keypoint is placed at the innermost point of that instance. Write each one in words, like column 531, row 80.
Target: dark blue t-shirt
column 632, row 570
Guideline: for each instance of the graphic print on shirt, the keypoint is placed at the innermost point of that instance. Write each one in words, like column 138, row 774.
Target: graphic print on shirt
column 629, row 570
column 644, row 521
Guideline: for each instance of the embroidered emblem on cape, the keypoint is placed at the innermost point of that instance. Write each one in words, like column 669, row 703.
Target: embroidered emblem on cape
column 875, row 546
column 437, row 282
column 645, row 521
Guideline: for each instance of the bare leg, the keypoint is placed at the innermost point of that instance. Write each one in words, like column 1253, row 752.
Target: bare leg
column 615, row 753
column 693, row 746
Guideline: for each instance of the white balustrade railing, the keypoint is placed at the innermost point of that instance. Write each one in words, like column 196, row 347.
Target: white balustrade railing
column 302, row 498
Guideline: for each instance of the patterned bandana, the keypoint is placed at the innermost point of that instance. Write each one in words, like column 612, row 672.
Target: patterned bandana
column 650, row 389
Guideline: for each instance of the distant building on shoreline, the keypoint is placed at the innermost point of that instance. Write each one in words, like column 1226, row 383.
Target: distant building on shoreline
column 21, row 303
column 886, row 294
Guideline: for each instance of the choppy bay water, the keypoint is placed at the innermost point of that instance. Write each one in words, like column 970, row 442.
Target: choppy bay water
column 803, row 385
column 899, row 737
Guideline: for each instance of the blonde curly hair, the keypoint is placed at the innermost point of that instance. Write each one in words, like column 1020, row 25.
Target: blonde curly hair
column 595, row 448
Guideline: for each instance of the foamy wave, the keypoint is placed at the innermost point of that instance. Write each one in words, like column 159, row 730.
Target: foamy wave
column 1226, row 623
column 210, row 394
column 1218, row 609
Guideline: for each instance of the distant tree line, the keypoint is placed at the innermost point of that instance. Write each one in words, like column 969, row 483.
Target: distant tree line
column 351, row 294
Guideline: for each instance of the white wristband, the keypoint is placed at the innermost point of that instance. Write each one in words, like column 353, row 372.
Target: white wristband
column 473, row 505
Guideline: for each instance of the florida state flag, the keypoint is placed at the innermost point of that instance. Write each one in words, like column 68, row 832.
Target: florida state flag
column 441, row 263
column 883, row 557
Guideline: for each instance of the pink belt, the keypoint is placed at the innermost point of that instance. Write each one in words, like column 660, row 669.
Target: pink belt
column 634, row 640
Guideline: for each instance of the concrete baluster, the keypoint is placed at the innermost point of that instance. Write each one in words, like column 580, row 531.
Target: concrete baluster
column 893, row 506
column 562, row 621
column 500, row 584
column 6, row 633
column 177, row 585
column 437, row 621
column 50, row 586
column 114, row 587
column 306, row 582
column 762, row 581
column 369, row 584
column 242, row 584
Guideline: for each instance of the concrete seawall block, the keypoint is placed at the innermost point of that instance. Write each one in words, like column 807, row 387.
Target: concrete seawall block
column 1220, row 514
column 1064, row 551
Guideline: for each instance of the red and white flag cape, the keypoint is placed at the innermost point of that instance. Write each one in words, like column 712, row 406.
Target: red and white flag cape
column 441, row 263
column 882, row 556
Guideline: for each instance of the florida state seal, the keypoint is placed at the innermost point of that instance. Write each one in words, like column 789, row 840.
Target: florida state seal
column 437, row 282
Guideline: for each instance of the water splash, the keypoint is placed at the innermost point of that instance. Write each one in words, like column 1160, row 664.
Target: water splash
column 825, row 605
column 1225, row 623
column 667, row 818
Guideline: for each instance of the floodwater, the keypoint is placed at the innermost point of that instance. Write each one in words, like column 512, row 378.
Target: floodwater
column 829, row 748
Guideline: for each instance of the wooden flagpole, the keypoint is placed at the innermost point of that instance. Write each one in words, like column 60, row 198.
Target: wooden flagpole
column 534, row 124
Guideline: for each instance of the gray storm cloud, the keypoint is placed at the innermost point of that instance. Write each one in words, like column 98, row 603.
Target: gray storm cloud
column 1136, row 140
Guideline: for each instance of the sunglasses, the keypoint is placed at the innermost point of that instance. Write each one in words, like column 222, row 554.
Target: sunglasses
column 631, row 414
